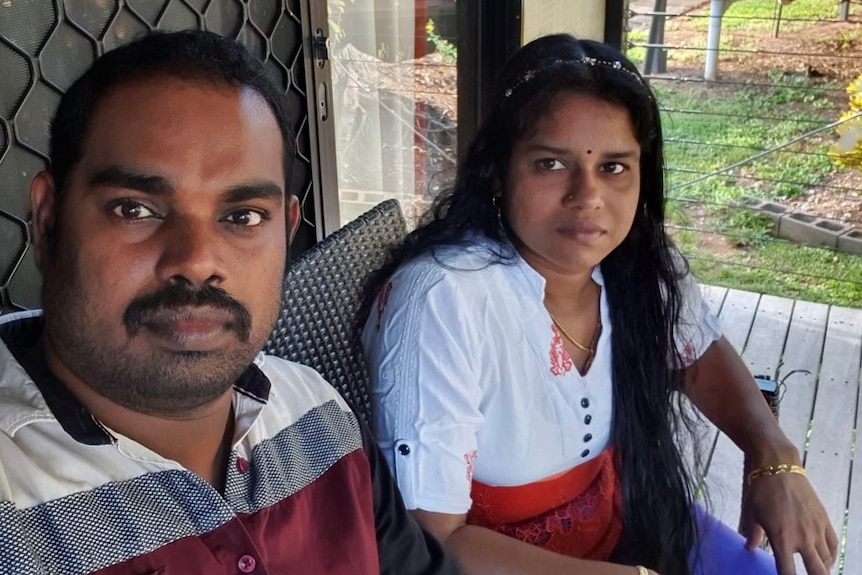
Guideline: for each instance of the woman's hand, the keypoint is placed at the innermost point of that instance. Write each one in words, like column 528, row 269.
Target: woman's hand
column 785, row 507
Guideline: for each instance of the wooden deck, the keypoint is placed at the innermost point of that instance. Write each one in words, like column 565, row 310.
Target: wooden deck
column 818, row 411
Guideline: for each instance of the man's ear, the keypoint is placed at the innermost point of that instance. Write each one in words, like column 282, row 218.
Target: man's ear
column 292, row 217
column 42, row 216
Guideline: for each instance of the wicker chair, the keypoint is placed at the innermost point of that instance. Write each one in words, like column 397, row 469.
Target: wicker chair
column 317, row 325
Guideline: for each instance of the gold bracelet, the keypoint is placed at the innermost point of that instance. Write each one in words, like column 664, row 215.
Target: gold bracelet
column 641, row 570
column 775, row 470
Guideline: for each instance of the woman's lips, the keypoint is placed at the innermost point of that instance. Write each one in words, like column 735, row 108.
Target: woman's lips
column 581, row 230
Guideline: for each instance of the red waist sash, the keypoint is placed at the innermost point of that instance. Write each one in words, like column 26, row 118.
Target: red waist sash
column 575, row 513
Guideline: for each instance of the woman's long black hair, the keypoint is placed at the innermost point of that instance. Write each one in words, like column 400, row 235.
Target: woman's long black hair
column 641, row 279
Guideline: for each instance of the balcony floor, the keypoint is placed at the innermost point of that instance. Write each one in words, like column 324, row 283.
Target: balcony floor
column 818, row 410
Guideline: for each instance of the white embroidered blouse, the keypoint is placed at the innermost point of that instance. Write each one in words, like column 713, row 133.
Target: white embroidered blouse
column 470, row 378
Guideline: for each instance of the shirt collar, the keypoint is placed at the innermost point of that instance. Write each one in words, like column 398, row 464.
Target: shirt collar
column 535, row 282
column 23, row 338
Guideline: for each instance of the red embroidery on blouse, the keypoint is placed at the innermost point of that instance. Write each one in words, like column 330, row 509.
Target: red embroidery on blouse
column 561, row 361
column 688, row 355
column 382, row 300
column 469, row 458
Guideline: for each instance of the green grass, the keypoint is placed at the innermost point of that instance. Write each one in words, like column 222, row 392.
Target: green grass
column 742, row 19
column 709, row 127
column 737, row 124
column 760, row 15
column 637, row 53
column 742, row 253
column 782, row 269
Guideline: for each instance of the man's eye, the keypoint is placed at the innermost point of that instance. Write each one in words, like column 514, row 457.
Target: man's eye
column 246, row 218
column 129, row 210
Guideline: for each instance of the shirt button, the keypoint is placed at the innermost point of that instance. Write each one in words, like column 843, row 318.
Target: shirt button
column 242, row 464
column 588, row 437
column 246, row 563
column 585, row 452
column 585, row 403
column 404, row 449
column 587, row 419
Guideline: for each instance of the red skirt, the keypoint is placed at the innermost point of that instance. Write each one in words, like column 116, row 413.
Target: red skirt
column 575, row 513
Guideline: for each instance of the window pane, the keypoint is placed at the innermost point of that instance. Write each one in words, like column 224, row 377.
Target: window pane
column 394, row 100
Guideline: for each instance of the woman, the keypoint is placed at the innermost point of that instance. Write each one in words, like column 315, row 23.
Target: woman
column 527, row 342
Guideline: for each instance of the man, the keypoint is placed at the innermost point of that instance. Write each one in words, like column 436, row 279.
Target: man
column 140, row 429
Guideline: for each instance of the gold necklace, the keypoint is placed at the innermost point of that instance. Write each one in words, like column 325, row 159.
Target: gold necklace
column 590, row 350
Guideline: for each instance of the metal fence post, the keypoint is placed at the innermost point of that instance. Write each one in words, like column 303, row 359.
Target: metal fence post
column 655, row 59
column 716, row 11
column 843, row 10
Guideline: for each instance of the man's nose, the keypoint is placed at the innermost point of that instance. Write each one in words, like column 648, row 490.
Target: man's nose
column 191, row 251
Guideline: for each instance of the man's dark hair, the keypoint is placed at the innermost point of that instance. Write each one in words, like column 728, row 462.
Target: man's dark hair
column 190, row 54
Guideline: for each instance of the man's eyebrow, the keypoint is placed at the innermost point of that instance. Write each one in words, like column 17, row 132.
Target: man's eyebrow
column 264, row 190
column 119, row 177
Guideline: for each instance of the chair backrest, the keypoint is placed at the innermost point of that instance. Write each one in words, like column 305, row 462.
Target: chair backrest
column 318, row 323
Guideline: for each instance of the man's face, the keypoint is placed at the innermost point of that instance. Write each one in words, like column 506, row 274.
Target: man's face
column 163, row 278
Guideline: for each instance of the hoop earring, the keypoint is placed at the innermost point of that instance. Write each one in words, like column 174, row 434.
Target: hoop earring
column 495, row 201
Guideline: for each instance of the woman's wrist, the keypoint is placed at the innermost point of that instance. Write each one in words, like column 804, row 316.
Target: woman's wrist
column 778, row 452
column 781, row 468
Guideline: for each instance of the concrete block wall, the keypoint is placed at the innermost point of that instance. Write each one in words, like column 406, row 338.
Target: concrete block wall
column 805, row 228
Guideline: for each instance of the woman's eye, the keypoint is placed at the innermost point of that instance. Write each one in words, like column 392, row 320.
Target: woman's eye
column 551, row 164
column 129, row 210
column 614, row 168
column 246, row 218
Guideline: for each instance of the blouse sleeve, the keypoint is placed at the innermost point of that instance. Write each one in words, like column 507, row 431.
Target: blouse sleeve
column 418, row 343
column 698, row 327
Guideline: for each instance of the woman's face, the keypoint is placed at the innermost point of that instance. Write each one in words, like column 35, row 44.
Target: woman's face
column 572, row 189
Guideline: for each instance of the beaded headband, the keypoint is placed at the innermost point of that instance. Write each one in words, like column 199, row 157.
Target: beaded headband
column 589, row 61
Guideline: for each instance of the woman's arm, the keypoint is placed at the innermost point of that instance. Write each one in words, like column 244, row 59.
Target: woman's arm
column 481, row 551
column 785, row 506
column 721, row 386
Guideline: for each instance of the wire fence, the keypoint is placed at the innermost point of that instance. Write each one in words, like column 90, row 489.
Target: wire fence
column 758, row 134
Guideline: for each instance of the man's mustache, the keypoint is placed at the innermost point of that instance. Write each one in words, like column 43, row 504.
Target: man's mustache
column 177, row 296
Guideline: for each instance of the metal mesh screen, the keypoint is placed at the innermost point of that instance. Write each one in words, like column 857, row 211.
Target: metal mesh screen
column 46, row 44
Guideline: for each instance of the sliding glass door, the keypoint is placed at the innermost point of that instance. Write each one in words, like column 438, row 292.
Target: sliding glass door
column 394, row 101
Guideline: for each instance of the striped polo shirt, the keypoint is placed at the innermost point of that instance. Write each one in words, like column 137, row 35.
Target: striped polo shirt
column 305, row 491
